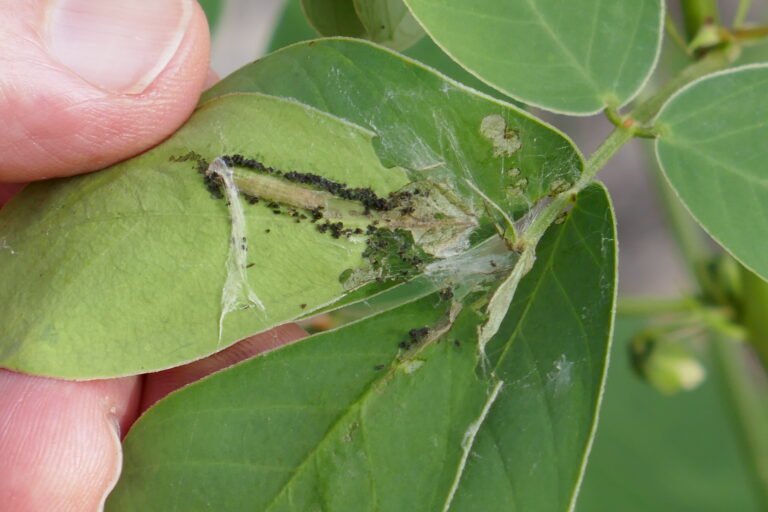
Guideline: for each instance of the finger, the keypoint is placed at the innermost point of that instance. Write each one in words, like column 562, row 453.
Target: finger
column 8, row 190
column 86, row 83
column 211, row 79
column 157, row 385
column 60, row 441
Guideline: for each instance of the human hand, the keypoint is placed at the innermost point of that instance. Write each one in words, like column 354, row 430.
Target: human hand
column 84, row 84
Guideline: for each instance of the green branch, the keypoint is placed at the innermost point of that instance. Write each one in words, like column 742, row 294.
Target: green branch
column 687, row 234
column 713, row 61
column 741, row 13
column 755, row 307
column 751, row 34
column 745, row 391
column 627, row 127
column 674, row 34
column 596, row 162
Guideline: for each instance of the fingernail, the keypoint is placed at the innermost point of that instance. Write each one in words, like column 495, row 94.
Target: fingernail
column 117, row 45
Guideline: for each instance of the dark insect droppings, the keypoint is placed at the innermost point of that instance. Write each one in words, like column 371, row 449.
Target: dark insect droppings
column 364, row 195
column 247, row 163
column 201, row 165
column 418, row 334
column 414, row 337
column 316, row 213
column 394, row 252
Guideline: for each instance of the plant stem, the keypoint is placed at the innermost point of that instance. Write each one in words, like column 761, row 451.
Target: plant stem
column 529, row 239
column 745, row 391
column 719, row 320
column 755, row 307
column 596, row 162
column 674, row 34
column 713, row 61
column 687, row 233
column 741, row 13
column 624, row 132
column 626, row 129
column 697, row 13
column 751, row 34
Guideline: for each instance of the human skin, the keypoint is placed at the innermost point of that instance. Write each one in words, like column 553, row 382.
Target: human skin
column 78, row 92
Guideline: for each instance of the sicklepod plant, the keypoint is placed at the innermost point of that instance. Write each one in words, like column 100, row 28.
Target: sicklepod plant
column 464, row 245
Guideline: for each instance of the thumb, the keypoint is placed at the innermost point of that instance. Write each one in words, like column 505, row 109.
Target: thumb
column 87, row 83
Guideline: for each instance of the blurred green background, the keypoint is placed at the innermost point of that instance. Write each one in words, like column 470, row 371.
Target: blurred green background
column 663, row 453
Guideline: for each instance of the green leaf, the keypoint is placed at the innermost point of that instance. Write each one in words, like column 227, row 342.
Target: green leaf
column 333, row 17
column 573, row 57
column 389, row 22
column 123, row 271
column 552, row 353
column 664, row 453
column 424, row 121
column 428, row 53
column 293, row 28
column 349, row 420
column 336, row 421
column 712, row 150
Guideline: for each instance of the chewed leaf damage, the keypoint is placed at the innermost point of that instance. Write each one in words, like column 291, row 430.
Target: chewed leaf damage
column 505, row 141
column 403, row 231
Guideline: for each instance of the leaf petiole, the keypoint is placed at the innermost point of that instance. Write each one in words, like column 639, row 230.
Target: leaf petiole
column 741, row 13
column 674, row 34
